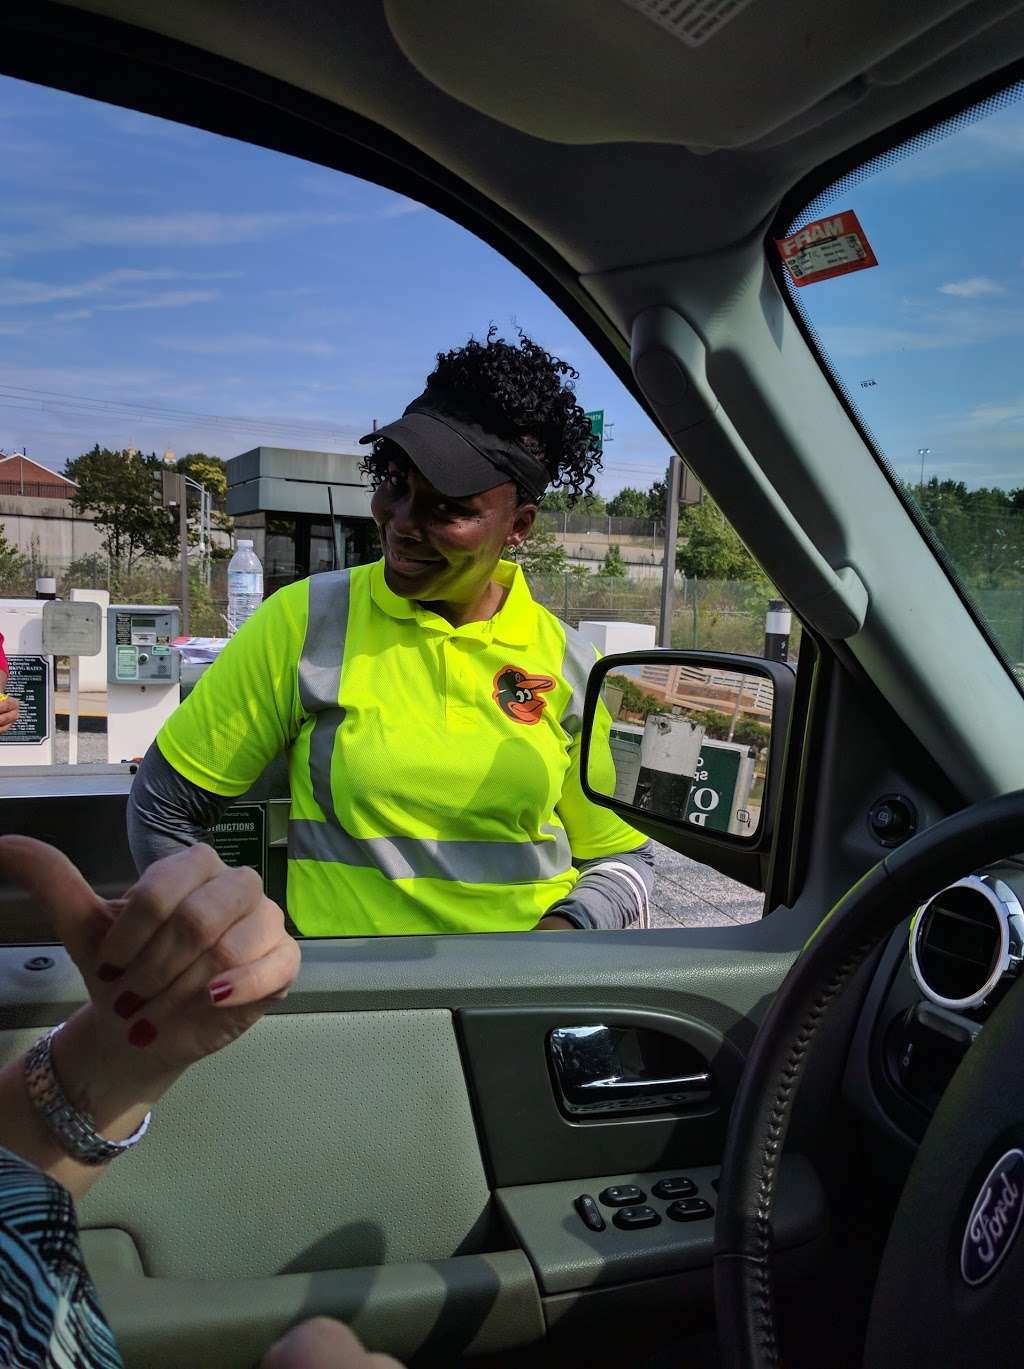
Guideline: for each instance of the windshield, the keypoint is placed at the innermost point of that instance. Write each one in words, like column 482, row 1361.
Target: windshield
column 928, row 343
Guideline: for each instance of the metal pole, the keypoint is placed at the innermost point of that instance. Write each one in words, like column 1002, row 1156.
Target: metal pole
column 736, row 708
column 73, row 714
column 777, row 624
column 183, row 540
column 673, row 480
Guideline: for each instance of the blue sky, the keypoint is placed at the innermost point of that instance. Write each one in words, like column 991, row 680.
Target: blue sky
column 152, row 277
column 939, row 323
column 148, row 267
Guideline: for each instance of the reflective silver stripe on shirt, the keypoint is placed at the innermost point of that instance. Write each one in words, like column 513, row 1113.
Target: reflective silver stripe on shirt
column 577, row 663
column 323, row 652
column 466, row 862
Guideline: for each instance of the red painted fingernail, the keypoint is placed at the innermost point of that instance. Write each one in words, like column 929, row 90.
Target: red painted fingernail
column 219, row 990
column 142, row 1032
column 108, row 973
column 128, row 1004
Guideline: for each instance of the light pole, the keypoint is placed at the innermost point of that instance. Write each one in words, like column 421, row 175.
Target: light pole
column 922, row 453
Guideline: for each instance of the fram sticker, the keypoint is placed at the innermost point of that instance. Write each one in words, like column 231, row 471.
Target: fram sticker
column 826, row 248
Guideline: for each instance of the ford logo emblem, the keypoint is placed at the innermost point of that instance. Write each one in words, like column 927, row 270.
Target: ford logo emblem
column 994, row 1220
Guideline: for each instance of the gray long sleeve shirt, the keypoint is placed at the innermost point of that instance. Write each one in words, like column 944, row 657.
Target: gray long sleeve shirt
column 167, row 812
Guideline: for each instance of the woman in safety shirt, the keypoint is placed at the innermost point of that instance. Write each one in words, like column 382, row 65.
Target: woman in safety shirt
column 430, row 708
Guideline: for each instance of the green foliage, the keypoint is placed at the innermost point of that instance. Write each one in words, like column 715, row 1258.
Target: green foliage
column 540, row 554
column 982, row 530
column 84, row 572
column 752, row 733
column 15, row 569
column 613, row 567
column 709, row 549
column 209, row 471
column 745, row 731
column 560, row 501
column 628, row 503
column 634, row 503
column 636, row 700
column 122, row 491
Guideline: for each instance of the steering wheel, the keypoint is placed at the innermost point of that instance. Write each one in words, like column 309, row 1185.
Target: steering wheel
column 961, row 1207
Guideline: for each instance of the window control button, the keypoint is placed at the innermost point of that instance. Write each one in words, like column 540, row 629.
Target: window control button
column 622, row 1195
column 675, row 1188
column 690, row 1210
column 590, row 1212
column 633, row 1218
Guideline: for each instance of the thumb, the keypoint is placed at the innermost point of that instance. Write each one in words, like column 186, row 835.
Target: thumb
column 78, row 916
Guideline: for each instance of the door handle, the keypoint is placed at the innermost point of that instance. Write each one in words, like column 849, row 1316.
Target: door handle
column 605, row 1070
column 617, row 1087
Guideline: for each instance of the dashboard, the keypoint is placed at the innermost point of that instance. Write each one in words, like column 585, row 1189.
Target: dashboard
column 940, row 977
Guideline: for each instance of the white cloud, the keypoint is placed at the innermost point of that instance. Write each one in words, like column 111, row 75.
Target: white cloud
column 164, row 299
column 971, row 288
column 189, row 228
column 934, row 330
column 237, row 344
column 15, row 291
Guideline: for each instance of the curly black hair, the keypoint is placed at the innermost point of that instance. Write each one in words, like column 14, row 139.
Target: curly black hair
column 522, row 393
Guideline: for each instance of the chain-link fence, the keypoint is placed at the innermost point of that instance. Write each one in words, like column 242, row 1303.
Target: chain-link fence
column 713, row 615
column 148, row 581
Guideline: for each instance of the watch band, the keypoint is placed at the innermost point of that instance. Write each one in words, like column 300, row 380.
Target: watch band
column 73, row 1129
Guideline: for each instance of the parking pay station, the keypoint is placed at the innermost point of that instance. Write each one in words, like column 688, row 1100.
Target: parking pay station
column 142, row 676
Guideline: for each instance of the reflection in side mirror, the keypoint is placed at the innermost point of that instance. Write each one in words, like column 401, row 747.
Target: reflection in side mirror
column 688, row 743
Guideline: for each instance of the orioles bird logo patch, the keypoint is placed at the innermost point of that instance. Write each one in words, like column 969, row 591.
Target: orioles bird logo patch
column 517, row 693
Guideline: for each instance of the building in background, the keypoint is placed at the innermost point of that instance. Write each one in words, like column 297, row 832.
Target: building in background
column 36, row 514
column 284, row 500
column 696, row 688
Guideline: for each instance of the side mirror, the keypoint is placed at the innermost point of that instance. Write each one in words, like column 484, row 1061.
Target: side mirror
column 685, row 741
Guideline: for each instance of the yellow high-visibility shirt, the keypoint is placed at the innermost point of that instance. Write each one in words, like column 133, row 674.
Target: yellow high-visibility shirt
column 434, row 770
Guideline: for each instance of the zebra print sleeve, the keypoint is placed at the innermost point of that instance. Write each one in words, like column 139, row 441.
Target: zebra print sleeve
column 49, row 1315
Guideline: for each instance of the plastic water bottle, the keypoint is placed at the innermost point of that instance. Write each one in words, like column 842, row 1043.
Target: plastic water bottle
column 245, row 586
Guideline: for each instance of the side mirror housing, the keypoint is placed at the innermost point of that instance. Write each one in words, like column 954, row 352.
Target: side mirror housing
column 688, row 742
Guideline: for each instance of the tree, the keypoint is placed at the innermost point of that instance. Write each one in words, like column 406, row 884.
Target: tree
column 636, row 700
column 613, row 566
column 13, row 566
column 122, row 491
column 709, row 549
column 210, row 471
column 981, row 530
column 540, row 554
column 629, row 503
column 560, row 501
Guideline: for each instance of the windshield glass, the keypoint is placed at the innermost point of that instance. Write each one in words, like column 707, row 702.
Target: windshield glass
column 928, row 345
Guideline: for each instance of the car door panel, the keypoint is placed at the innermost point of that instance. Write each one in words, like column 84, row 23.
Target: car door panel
column 530, row 1139
column 340, row 1158
column 471, row 1305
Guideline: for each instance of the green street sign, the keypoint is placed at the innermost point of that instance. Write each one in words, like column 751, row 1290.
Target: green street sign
column 597, row 425
column 713, row 795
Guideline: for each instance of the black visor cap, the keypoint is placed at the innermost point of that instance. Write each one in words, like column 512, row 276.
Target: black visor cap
column 460, row 458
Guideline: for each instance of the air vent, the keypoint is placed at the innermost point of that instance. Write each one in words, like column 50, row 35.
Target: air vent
column 965, row 939
column 691, row 21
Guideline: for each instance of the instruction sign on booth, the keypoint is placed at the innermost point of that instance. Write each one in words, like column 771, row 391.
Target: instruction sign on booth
column 29, row 683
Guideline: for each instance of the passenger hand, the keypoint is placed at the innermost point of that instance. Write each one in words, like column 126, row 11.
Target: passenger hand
column 179, row 968
column 9, row 710
column 323, row 1343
